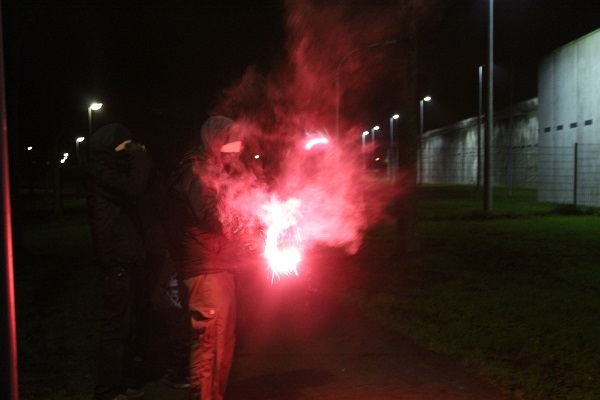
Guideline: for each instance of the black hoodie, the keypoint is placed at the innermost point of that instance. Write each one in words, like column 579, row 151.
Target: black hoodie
column 117, row 180
column 199, row 245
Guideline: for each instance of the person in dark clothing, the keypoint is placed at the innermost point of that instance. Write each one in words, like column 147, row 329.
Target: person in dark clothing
column 118, row 174
column 170, row 304
column 206, row 253
column 162, row 327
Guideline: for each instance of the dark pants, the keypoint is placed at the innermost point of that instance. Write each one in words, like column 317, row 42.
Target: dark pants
column 177, row 323
column 116, row 358
column 145, row 318
column 213, row 314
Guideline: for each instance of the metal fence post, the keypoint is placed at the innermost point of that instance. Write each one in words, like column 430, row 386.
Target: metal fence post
column 575, row 176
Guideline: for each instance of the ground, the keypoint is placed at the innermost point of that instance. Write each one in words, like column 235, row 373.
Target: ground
column 299, row 344
column 298, row 338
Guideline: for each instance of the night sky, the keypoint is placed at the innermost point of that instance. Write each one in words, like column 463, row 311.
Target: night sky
column 156, row 66
column 161, row 67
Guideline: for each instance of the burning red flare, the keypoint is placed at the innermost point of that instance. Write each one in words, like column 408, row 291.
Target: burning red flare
column 282, row 247
column 315, row 141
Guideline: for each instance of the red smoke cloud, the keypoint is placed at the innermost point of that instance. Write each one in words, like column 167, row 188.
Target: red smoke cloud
column 338, row 197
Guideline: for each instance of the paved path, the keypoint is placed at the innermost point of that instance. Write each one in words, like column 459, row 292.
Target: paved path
column 290, row 351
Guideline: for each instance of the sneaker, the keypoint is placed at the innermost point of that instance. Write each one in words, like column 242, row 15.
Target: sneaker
column 133, row 393
column 176, row 380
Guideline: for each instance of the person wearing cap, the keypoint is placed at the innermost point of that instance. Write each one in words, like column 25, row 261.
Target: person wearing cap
column 205, row 254
column 118, row 172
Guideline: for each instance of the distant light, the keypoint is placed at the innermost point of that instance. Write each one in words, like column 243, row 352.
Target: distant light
column 63, row 160
column 365, row 133
column 257, row 156
column 376, row 128
column 395, row 116
column 377, row 159
column 29, row 148
column 66, row 155
column 80, row 139
column 315, row 141
column 95, row 106
column 426, row 98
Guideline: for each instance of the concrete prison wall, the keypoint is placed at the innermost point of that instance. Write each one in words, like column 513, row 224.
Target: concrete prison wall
column 453, row 154
column 569, row 114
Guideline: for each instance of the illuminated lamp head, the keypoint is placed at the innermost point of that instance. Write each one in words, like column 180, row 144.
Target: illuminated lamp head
column 315, row 141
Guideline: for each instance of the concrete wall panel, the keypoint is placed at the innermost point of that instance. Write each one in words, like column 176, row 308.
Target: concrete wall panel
column 568, row 111
column 450, row 153
column 551, row 143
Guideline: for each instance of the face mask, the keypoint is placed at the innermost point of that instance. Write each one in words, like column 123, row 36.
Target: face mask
column 122, row 161
column 232, row 163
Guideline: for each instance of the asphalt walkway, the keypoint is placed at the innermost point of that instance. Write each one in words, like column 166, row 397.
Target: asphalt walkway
column 292, row 349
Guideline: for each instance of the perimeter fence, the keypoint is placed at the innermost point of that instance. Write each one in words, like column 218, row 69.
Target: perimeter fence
column 561, row 174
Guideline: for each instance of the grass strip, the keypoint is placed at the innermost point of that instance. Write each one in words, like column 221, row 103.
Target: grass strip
column 516, row 298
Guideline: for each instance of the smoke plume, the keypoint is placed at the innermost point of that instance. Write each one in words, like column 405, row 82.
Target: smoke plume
column 339, row 58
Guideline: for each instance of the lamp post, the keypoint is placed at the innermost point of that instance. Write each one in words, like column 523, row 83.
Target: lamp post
column 487, row 162
column 364, row 134
column 421, row 103
column 93, row 107
column 77, row 141
column 375, row 128
column 392, row 156
column 392, row 118
column 337, row 78
column 478, row 176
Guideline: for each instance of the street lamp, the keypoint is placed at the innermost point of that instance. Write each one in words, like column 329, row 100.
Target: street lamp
column 487, row 162
column 337, row 78
column 93, row 107
column 375, row 128
column 392, row 158
column 478, row 176
column 77, row 141
column 421, row 103
column 392, row 118
column 364, row 134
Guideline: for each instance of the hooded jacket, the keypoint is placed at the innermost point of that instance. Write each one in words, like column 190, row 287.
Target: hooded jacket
column 198, row 243
column 117, row 179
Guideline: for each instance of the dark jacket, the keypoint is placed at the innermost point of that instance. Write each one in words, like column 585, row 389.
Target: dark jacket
column 149, row 207
column 198, row 244
column 116, row 181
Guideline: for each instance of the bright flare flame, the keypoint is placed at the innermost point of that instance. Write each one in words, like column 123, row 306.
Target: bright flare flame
column 312, row 142
column 282, row 247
